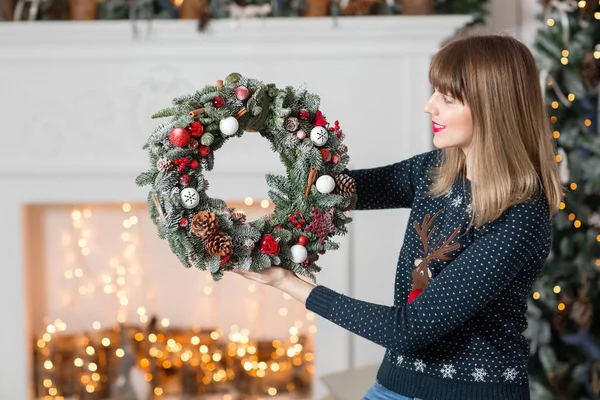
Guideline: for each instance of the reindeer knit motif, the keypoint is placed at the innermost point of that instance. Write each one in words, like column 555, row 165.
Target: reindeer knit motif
column 461, row 337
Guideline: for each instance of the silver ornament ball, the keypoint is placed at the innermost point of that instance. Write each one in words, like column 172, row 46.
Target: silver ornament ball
column 229, row 126
column 325, row 184
column 319, row 135
column 299, row 253
column 190, row 198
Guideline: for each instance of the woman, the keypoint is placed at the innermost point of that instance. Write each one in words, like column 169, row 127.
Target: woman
column 477, row 238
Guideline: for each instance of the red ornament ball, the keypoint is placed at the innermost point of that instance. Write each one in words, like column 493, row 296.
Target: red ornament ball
column 218, row 102
column 204, row 150
column 179, row 137
column 184, row 179
column 303, row 114
column 335, row 159
column 196, row 129
column 302, row 240
column 183, row 222
column 242, row 93
column 194, row 164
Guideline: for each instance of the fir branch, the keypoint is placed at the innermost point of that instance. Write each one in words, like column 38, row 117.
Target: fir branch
column 146, row 178
column 165, row 112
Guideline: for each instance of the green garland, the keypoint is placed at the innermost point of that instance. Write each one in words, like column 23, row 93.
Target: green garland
column 204, row 232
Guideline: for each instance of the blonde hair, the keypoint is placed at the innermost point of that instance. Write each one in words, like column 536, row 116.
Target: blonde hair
column 512, row 153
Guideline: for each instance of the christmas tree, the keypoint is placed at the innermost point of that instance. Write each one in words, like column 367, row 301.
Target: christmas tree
column 564, row 318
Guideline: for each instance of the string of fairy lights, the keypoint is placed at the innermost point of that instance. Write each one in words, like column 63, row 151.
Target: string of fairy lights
column 220, row 357
column 569, row 98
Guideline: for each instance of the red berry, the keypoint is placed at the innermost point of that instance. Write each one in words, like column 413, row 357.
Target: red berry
column 183, row 222
column 204, row 150
column 218, row 102
column 277, row 226
column 179, row 137
column 194, row 164
column 302, row 240
column 181, row 168
column 302, row 221
column 337, row 123
column 303, row 114
column 339, row 134
column 331, row 129
column 298, row 226
column 184, row 180
column 291, row 218
column 297, row 213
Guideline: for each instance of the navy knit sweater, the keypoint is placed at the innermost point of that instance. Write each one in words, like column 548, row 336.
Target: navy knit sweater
column 461, row 338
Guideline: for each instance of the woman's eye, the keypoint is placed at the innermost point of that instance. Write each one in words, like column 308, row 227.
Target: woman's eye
column 447, row 99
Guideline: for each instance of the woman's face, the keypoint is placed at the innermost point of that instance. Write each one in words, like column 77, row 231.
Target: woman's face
column 452, row 123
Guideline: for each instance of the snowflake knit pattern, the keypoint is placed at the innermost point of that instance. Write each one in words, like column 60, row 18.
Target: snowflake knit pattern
column 462, row 337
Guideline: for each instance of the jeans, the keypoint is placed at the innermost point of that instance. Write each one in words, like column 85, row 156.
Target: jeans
column 378, row 392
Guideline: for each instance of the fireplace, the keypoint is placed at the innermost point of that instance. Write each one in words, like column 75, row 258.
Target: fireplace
column 112, row 296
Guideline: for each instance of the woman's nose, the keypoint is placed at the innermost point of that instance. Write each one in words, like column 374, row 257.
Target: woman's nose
column 429, row 106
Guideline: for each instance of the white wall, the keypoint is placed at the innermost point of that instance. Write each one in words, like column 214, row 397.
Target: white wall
column 515, row 17
column 75, row 102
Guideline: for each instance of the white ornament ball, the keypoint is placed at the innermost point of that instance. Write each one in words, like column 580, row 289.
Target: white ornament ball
column 319, row 135
column 299, row 253
column 189, row 197
column 325, row 184
column 229, row 126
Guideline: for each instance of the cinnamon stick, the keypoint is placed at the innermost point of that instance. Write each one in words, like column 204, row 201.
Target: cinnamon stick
column 161, row 214
column 311, row 179
column 241, row 112
column 197, row 112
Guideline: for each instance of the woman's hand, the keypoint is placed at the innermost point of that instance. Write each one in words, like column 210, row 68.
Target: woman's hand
column 282, row 279
column 273, row 276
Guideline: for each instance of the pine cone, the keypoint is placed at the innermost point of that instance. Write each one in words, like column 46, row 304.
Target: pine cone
column 292, row 124
column 218, row 244
column 204, row 224
column 193, row 144
column 164, row 164
column 345, row 185
column 238, row 216
column 342, row 149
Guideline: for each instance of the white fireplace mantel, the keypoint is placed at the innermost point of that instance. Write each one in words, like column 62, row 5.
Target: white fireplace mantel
column 75, row 100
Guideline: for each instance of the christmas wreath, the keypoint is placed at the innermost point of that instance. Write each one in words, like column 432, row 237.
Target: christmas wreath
column 310, row 201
